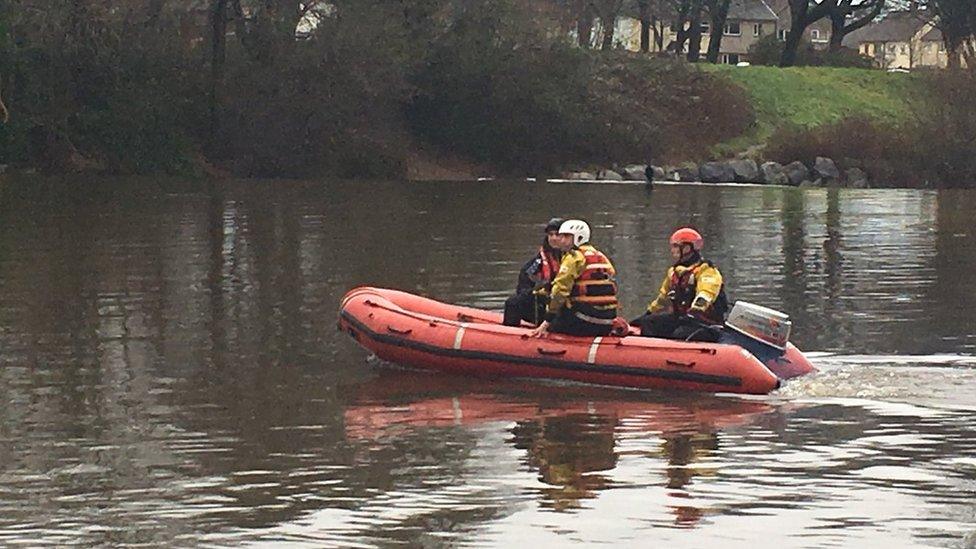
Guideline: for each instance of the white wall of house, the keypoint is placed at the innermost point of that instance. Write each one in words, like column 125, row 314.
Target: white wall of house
column 739, row 35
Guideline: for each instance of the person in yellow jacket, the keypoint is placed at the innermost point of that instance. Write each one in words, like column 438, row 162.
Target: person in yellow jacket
column 583, row 299
column 691, row 298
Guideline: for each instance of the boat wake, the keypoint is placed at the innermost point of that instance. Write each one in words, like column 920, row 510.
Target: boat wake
column 946, row 381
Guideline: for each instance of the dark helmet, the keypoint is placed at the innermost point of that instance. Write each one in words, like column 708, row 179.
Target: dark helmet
column 554, row 224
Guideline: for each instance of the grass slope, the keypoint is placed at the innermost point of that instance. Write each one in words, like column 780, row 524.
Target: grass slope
column 809, row 97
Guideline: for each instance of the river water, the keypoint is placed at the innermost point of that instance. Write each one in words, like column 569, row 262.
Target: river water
column 170, row 371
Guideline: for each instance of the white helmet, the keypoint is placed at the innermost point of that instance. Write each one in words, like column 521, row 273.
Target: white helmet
column 578, row 228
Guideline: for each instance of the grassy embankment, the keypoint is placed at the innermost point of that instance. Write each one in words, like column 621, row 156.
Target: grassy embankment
column 815, row 97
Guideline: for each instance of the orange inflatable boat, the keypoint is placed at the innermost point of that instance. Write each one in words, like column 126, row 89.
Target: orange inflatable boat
column 422, row 333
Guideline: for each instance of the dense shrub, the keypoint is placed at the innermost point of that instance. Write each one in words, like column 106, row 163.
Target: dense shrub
column 498, row 89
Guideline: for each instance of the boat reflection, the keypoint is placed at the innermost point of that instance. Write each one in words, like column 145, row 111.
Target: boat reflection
column 574, row 437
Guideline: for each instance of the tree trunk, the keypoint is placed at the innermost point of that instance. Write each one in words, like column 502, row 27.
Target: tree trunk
column 798, row 24
column 584, row 24
column 678, row 45
column 645, row 24
column 609, row 28
column 836, row 32
column 954, row 61
column 694, row 31
column 719, row 16
column 788, row 58
column 218, row 26
column 4, row 113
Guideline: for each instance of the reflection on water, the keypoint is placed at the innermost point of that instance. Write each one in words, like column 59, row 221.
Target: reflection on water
column 170, row 372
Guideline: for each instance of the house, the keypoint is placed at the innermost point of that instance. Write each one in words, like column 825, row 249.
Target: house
column 747, row 22
column 818, row 33
column 902, row 40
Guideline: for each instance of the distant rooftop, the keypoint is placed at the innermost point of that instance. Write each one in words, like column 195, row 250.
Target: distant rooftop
column 897, row 26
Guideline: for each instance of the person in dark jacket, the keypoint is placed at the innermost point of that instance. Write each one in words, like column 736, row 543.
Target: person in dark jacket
column 534, row 281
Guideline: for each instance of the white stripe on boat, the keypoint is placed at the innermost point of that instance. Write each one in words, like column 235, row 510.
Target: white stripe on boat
column 459, row 336
column 591, row 358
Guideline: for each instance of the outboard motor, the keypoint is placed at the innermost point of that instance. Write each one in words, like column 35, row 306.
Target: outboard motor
column 757, row 329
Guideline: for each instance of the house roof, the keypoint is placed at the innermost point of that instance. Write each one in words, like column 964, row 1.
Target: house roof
column 739, row 10
column 751, row 10
column 897, row 26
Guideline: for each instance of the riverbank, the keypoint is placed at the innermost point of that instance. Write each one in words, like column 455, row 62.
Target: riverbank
column 457, row 99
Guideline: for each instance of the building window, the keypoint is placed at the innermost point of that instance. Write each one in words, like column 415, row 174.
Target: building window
column 903, row 49
column 757, row 30
column 733, row 29
column 781, row 34
column 730, row 58
column 706, row 27
column 815, row 34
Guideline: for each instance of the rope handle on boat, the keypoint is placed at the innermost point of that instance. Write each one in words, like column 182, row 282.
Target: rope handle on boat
column 396, row 331
column 431, row 320
column 682, row 364
column 553, row 352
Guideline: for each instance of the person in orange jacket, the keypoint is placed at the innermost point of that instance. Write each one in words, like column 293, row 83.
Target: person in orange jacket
column 691, row 298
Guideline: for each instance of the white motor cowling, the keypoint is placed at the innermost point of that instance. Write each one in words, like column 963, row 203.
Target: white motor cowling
column 760, row 323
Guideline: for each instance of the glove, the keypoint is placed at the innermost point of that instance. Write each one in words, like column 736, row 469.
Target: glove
column 620, row 327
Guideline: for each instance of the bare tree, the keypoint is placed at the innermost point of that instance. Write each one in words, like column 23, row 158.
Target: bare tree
column 644, row 10
column 218, row 58
column 608, row 11
column 850, row 15
column 957, row 21
column 4, row 113
column 803, row 13
column 718, row 13
column 694, row 30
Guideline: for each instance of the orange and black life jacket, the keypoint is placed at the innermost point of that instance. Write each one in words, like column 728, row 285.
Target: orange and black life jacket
column 597, row 284
column 548, row 265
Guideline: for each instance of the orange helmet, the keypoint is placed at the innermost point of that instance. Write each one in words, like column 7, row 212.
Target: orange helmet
column 688, row 235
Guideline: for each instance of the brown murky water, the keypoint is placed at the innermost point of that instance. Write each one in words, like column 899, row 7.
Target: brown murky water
column 170, row 373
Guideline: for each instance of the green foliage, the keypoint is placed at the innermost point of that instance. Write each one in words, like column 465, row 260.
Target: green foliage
column 809, row 97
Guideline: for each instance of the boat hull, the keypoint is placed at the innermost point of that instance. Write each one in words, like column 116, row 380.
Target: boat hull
column 422, row 333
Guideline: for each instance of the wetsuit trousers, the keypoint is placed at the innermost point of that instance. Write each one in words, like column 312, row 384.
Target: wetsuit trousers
column 568, row 323
column 525, row 306
column 671, row 326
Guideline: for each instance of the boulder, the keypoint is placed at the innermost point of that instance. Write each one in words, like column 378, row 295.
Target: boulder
column 825, row 169
column 856, row 178
column 772, row 173
column 815, row 183
column 745, row 170
column 609, row 175
column 580, row 176
column 796, row 172
column 717, row 172
column 686, row 172
column 635, row 172
column 657, row 173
